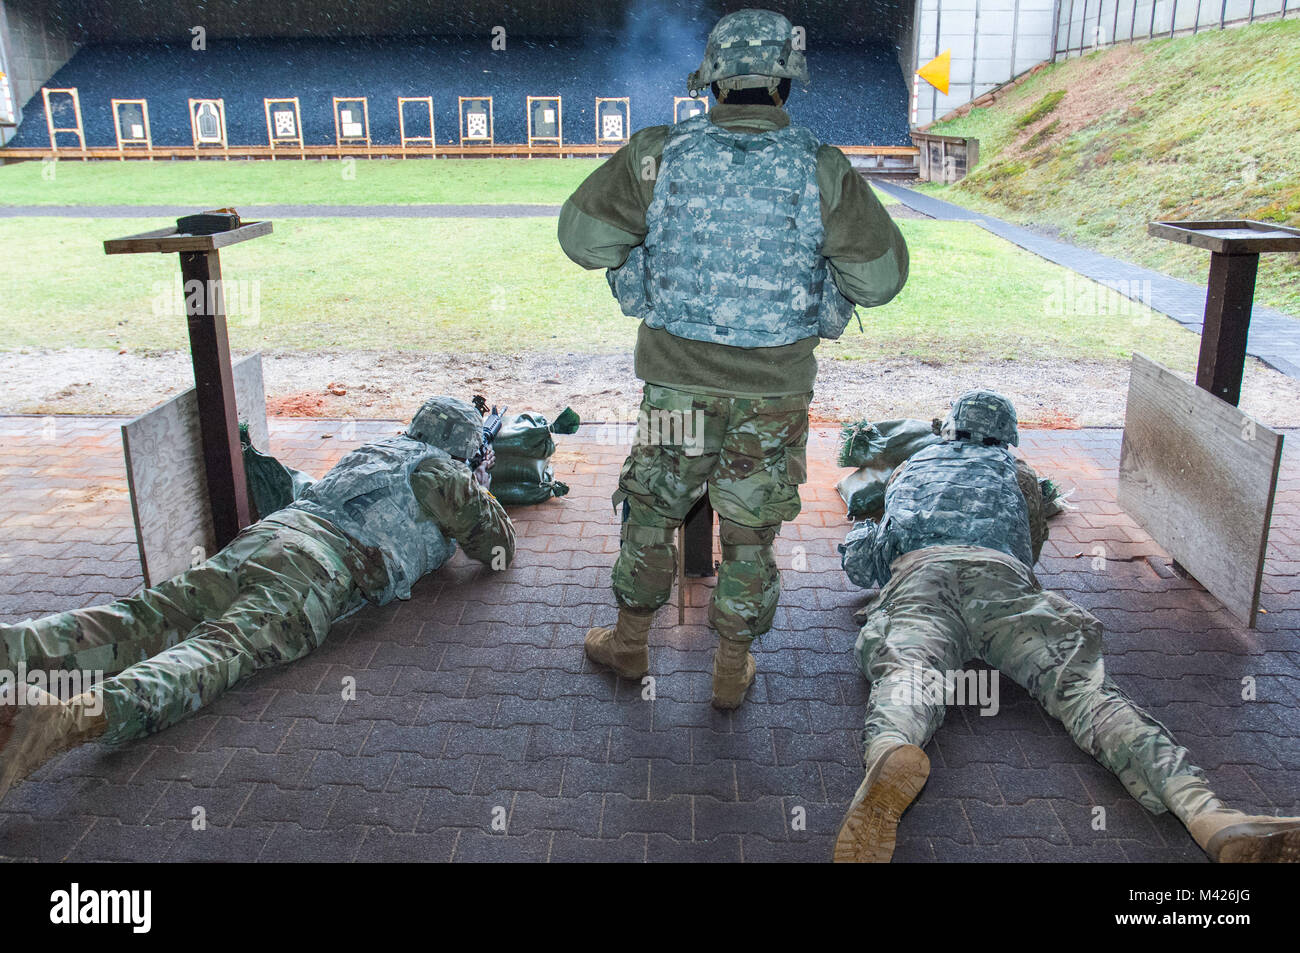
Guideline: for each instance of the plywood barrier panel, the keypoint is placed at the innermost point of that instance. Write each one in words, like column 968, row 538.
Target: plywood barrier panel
column 1200, row 476
column 164, row 468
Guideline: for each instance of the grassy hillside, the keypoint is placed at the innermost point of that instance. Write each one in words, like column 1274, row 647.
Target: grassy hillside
column 1200, row 127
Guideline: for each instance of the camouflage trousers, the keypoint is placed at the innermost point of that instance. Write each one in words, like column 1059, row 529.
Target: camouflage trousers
column 945, row 605
column 267, row 598
column 748, row 454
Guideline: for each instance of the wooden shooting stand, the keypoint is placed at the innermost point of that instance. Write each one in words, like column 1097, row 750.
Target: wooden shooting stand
column 1198, row 474
column 1235, row 247
column 210, row 350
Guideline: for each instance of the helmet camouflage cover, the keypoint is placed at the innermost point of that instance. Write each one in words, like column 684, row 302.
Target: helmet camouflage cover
column 449, row 424
column 749, row 48
column 985, row 414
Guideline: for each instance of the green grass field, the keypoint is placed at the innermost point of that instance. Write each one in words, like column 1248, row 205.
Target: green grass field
column 217, row 184
column 1201, row 127
column 449, row 285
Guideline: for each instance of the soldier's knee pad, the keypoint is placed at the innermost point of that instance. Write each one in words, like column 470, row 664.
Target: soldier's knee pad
column 645, row 568
column 749, row 583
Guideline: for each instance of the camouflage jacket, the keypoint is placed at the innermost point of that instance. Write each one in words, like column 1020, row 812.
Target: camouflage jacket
column 605, row 219
column 405, row 505
column 947, row 497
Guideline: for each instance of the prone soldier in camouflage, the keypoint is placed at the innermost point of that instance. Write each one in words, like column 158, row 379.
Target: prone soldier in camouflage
column 740, row 242
column 387, row 514
column 963, row 526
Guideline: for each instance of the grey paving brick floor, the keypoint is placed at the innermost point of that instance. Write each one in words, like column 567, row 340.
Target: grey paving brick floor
column 473, row 700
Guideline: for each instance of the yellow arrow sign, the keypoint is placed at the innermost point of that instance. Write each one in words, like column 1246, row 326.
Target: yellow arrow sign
column 935, row 72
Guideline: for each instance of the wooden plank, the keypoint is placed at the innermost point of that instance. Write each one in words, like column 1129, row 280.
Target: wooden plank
column 1200, row 476
column 165, row 240
column 165, row 474
column 1231, row 237
column 498, row 150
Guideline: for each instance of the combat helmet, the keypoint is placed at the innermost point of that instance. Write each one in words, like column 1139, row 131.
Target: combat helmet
column 749, row 48
column 450, row 424
column 985, row 415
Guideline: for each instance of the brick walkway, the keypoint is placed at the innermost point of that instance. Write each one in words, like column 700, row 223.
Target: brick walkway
column 474, row 698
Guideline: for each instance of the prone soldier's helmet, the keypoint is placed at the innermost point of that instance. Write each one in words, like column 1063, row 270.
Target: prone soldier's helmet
column 749, row 48
column 449, row 424
column 984, row 414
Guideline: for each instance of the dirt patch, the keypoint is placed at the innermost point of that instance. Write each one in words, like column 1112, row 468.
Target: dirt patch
column 296, row 405
column 1090, row 94
column 600, row 387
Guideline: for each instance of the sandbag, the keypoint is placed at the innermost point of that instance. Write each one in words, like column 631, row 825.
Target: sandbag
column 877, row 450
column 522, row 475
column 271, row 485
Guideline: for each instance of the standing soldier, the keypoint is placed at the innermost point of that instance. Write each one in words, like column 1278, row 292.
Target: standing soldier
column 739, row 241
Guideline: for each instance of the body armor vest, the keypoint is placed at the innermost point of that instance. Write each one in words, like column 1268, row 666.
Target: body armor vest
column 368, row 496
column 733, row 249
column 954, row 494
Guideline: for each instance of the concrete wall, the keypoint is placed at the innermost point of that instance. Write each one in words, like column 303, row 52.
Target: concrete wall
column 34, row 43
column 992, row 41
column 1084, row 25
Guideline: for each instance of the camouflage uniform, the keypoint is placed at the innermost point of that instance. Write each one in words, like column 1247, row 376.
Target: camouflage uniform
column 749, row 455
column 272, row 594
column 740, row 242
column 947, row 604
column 956, row 587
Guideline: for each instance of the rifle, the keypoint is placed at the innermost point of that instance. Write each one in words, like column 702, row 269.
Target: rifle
column 492, row 421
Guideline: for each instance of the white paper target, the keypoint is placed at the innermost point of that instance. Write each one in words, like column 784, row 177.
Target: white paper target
column 208, row 122
column 611, row 126
column 284, row 125
column 137, row 130
column 477, row 125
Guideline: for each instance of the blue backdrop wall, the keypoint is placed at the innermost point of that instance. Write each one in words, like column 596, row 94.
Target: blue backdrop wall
column 857, row 94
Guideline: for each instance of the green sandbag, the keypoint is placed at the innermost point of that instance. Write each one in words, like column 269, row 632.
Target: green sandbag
column 528, row 494
column 521, row 475
column 512, row 469
column 271, row 485
column 524, row 435
column 877, row 450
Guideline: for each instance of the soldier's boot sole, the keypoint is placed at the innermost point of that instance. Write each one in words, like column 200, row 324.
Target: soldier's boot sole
column 1257, row 840
column 30, row 735
column 869, row 830
column 602, row 649
column 729, row 691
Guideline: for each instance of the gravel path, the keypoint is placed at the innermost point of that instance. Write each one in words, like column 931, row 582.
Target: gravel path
column 598, row 386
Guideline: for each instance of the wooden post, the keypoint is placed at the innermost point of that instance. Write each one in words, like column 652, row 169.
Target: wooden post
column 1228, row 302
column 215, row 388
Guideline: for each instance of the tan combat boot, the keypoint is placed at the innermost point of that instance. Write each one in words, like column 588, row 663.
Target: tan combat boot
column 733, row 673
column 624, row 648
column 1231, row 837
column 34, row 732
column 870, row 827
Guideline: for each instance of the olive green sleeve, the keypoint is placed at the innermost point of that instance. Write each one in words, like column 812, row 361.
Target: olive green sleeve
column 867, row 253
column 465, row 511
column 1029, row 486
column 605, row 218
